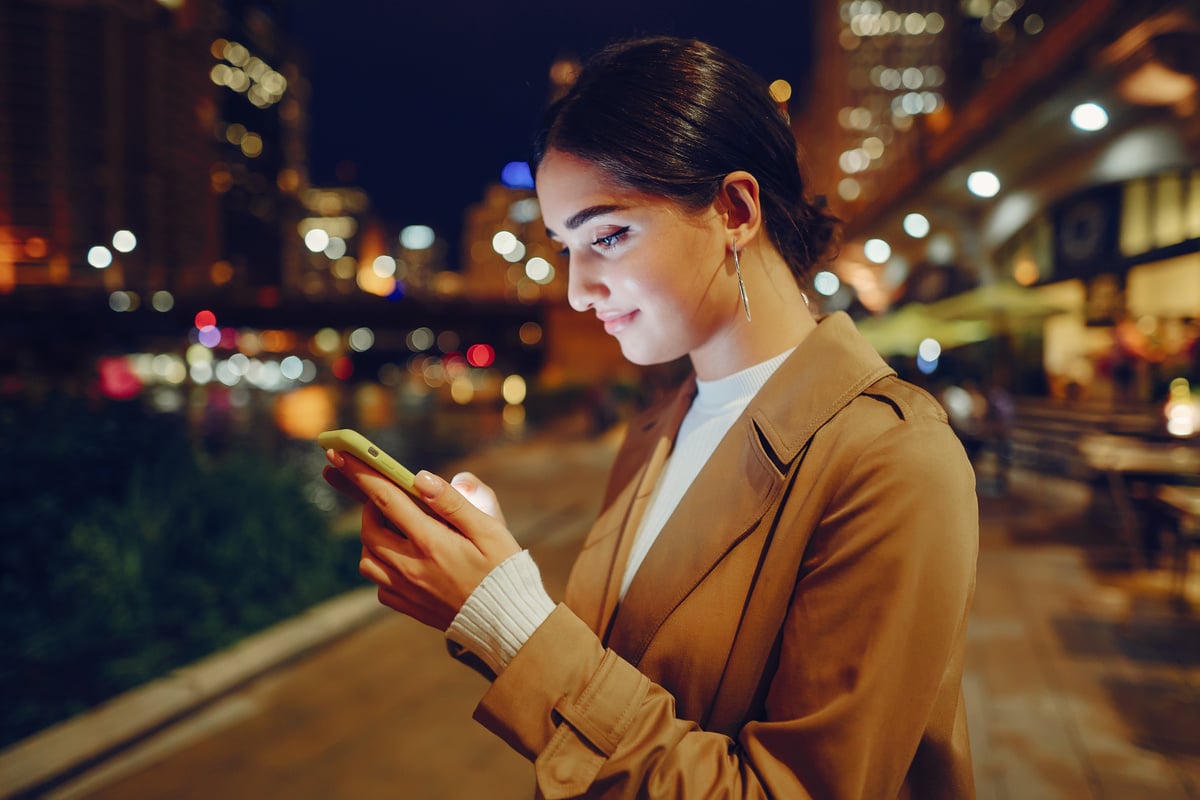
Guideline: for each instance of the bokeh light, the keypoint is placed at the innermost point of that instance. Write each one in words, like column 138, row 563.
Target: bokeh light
column 239, row 363
column 539, row 269
column 1089, row 117
column 117, row 378
column 517, row 175
column 361, row 340
column 316, row 240
column 941, row 249
column 513, row 416
column 198, row 354
column 916, row 225
column 516, row 254
column 983, row 183
column 305, row 412
column 250, row 341
column 826, row 283
column 504, row 242
column 384, row 266
column 162, row 301
column 210, row 336
column 462, row 391
column 99, row 257
column 201, row 372
column 481, row 355
column 877, row 250
column 530, row 333
column 1182, row 409
column 120, row 301
column 124, row 241
column 291, row 368
column 36, row 247
column 448, row 341
column 525, row 210
column 327, row 340
column 335, row 249
column 420, row 339
column 513, row 390
column 342, row 368
column 417, row 237
column 221, row 273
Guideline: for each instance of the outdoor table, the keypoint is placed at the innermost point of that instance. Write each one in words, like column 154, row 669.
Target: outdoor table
column 1183, row 503
column 1127, row 460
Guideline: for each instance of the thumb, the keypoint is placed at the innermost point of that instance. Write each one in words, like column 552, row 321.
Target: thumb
column 479, row 493
column 488, row 533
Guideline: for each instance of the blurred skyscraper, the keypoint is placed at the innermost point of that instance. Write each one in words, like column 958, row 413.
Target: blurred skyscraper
column 108, row 113
column 148, row 147
column 1050, row 145
column 260, row 170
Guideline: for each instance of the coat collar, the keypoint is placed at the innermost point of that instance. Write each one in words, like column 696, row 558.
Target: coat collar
column 830, row 367
column 734, row 491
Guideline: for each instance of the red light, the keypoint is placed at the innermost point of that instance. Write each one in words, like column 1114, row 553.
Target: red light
column 481, row 355
column 205, row 319
column 229, row 338
column 117, row 380
column 342, row 368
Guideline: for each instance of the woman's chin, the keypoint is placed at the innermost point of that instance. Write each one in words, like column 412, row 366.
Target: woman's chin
column 646, row 357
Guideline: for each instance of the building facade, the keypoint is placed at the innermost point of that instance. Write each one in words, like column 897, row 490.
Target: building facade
column 1046, row 145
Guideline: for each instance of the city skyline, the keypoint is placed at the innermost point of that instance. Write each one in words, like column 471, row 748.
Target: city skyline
column 422, row 107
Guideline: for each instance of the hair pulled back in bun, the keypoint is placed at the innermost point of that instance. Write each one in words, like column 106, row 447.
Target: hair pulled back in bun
column 673, row 117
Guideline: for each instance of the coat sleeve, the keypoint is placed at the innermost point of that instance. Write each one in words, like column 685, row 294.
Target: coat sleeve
column 870, row 648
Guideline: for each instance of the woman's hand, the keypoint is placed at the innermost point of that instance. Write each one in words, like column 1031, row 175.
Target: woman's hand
column 430, row 570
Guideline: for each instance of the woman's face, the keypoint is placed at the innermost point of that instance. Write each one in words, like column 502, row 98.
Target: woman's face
column 653, row 272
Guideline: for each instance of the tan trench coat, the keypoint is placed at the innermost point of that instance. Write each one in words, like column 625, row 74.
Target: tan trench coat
column 797, row 630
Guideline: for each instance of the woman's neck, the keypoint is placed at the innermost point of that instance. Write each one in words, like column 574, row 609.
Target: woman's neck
column 780, row 319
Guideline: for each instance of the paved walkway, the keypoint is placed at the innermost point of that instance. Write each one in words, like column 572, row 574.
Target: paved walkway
column 1082, row 677
column 1083, row 681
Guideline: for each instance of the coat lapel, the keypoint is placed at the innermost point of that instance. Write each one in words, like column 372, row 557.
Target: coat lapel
column 740, row 482
column 709, row 521
column 595, row 584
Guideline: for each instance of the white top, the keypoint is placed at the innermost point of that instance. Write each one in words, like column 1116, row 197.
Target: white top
column 511, row 602
column 717, row 406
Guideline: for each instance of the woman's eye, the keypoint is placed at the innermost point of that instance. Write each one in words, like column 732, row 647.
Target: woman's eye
column 609, row 241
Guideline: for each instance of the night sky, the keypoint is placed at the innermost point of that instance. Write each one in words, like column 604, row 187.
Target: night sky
column 429, row 100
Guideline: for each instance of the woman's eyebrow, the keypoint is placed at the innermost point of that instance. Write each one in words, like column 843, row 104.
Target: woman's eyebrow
column 580, row 217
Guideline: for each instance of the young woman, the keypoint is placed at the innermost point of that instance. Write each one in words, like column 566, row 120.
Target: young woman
column 774, row 598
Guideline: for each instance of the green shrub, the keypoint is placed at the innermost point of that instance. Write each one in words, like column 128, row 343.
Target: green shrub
column 125, row 552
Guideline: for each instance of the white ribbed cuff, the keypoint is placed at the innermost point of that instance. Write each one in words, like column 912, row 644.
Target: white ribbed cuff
column 503, row 612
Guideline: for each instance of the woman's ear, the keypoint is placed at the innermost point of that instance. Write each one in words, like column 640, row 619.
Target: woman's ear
column 742, row 207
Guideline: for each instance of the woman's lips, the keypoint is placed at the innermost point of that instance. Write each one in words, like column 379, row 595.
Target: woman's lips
column 615, row 323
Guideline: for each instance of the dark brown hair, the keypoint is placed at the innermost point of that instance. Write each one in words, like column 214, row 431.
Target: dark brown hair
column 672, row 117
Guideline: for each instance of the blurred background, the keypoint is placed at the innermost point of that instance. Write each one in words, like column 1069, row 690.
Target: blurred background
column 228, row 225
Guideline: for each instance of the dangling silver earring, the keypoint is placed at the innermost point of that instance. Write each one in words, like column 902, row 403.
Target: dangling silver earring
column 737, row 265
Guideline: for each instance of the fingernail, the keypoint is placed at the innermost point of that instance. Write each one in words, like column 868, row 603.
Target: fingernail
column 428, row 484
column 335, row 458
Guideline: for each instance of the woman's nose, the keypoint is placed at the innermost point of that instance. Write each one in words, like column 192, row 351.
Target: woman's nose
column 584, row 288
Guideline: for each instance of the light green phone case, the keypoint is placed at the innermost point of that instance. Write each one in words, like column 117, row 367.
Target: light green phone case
column 350, row 441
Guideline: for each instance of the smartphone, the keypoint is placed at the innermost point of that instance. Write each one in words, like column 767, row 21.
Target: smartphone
column 350, row 441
